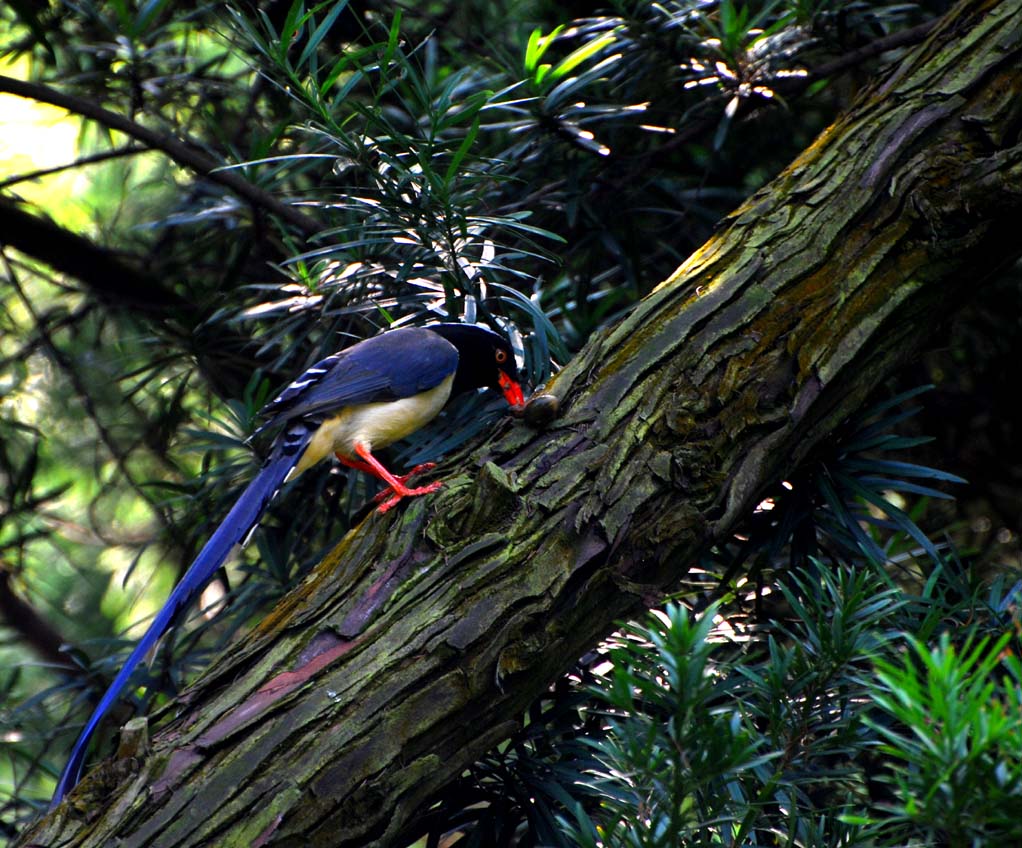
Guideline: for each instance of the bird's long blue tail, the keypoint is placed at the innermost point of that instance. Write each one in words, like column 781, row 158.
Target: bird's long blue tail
column 233, row 530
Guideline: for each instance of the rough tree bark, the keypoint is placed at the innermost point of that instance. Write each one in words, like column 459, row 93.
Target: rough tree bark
column 416, row 645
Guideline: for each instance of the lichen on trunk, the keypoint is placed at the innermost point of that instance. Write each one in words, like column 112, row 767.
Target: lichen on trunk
column 418, row 643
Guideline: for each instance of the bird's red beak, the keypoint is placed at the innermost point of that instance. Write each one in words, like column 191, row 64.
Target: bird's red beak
column 512, row 391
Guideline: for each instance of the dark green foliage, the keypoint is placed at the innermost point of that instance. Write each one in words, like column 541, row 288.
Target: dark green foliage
column 539, row 166
column 512, row 796
column 676, row 735
column 951, row 721
column 835, row 727
column 828, row 505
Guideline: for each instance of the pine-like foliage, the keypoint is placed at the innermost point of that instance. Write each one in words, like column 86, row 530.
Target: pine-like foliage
column 286, row 177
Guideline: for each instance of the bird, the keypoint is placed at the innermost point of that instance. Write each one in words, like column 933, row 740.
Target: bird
column 347, row 405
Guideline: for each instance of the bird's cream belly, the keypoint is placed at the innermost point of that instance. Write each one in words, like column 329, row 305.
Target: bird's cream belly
column 375, row 425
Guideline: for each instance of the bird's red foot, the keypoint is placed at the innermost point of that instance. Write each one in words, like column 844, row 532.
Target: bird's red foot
column 402, row 479
column 396, row 485
column 396, row 494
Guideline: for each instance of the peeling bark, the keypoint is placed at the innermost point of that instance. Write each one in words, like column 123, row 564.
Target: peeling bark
column 419, row 641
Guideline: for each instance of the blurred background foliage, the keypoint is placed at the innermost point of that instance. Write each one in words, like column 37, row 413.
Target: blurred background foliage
column 537, row 166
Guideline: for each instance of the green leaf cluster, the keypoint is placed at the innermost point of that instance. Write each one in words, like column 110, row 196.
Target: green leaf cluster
column 835, row 727
column 496, row 161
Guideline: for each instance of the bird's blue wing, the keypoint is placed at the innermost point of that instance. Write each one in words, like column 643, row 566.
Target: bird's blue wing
column 391, row 366
column 233, row 530
column 299, row 386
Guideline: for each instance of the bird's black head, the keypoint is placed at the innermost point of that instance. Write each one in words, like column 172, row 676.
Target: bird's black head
column 485, row 360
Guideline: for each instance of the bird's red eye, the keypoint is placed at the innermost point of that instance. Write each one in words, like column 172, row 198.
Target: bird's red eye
column 501, row 356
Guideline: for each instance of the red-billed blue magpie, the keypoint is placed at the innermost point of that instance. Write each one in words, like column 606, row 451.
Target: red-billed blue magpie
column 364, row 398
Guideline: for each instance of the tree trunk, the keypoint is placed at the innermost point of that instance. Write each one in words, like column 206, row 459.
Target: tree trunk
column 417, row 644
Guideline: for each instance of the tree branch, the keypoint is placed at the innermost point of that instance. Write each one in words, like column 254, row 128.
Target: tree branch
column 34, row 630
column 418, row 642
column 116, row 280
column 185, row 154
column 113, row 278
column 104, row 156
column 854, row 58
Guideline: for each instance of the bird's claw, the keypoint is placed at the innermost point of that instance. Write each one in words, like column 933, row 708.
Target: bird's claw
column 402, row 479
column 397, row 494
column 418, row 469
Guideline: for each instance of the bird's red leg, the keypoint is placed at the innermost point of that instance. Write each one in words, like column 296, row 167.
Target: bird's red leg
column 354, row 463
column 398, row 489
column 368, row 469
